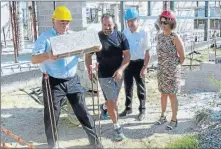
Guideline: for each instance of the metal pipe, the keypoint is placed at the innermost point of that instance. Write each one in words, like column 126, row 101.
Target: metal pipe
column 34, row 20
column 149, row 13
column 13, row 30
column 180, row 17
column 54, row 4
column 206, row 26
column 122, row 7
column 220, row 20
column 20, row 26
column 16, row 26
column 98, row 100
column 220, row 27
column 165, row 7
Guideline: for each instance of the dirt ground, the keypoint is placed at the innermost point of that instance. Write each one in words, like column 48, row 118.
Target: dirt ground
column 23, row 116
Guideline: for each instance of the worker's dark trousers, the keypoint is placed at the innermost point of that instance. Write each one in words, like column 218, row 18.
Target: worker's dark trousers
column 72, row 89
column 133, row 71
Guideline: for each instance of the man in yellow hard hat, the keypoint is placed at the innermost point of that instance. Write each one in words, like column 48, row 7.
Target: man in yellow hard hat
column 63, row 81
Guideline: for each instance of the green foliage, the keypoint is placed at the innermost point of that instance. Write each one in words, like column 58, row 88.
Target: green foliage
column 214, row 81
column 188, row 142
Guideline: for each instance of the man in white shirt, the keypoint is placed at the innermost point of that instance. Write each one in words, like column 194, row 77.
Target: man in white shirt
column 139, row 42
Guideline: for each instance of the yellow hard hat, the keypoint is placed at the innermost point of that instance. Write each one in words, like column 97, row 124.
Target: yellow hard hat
column 62, row 13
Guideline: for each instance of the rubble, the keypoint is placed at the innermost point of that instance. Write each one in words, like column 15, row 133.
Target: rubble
column 209, row 123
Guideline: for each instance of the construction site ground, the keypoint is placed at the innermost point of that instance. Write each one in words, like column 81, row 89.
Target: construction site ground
column 23, row 116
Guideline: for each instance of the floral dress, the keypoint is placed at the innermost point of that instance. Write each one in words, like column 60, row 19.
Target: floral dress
column 169, row 67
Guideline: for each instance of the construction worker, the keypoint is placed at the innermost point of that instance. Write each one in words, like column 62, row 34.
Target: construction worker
column 63, row 81
column 139, row 42
column 113, row 58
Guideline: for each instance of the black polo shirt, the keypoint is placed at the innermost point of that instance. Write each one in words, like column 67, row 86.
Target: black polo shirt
column 111, row 55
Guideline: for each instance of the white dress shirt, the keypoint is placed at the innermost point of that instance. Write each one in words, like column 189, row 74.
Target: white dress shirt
column 139, row 42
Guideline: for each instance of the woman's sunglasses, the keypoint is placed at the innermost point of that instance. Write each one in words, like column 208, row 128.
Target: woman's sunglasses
column 164, row 22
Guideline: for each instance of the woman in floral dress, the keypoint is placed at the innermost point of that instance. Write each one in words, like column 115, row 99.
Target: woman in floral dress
column 170, row 53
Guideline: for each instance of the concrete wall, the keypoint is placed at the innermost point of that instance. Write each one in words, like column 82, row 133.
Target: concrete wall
column 5, row 13
column 45, row 11
column 199, row 79
column 5, row 19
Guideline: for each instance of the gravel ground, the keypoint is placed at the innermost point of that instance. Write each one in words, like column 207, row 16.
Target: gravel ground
column 209, row 122
column 24, row 117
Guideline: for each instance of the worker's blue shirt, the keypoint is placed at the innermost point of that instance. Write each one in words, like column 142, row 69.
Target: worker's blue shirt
column 61, row 68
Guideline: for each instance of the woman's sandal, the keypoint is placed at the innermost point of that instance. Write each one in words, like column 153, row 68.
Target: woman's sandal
column 171, row 125
column 162, row 120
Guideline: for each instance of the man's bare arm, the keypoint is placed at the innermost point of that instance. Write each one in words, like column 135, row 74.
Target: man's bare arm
column 37, row 59
column 40, row 58
column 88, row 60
column 126, row 60
column 146, row 58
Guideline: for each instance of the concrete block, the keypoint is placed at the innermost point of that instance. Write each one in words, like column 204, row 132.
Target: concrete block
column 74, row 43
column 208, row 86
column 190, row 85
column 210, row 67
column 211, row 56
column 218, row 59
column 200, row 80
column 197, row 75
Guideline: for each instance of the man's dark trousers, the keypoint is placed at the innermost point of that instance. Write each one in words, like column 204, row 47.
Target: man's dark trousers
column 72, row 89
column 133, row 71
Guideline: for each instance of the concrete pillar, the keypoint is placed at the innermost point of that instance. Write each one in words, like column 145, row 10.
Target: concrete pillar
column 20, row 27
column 29, row 19
column 116, row 14
column 122, row 8
column 172, row 5
column 149, row 8
column 206, row 26
column 34, row 20
column 165, row 5
column 45, row 10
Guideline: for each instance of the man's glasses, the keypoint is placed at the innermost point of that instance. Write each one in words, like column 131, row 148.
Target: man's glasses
column 164, row 22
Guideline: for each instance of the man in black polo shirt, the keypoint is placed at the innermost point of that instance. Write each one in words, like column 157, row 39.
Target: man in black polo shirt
column 113, row 58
